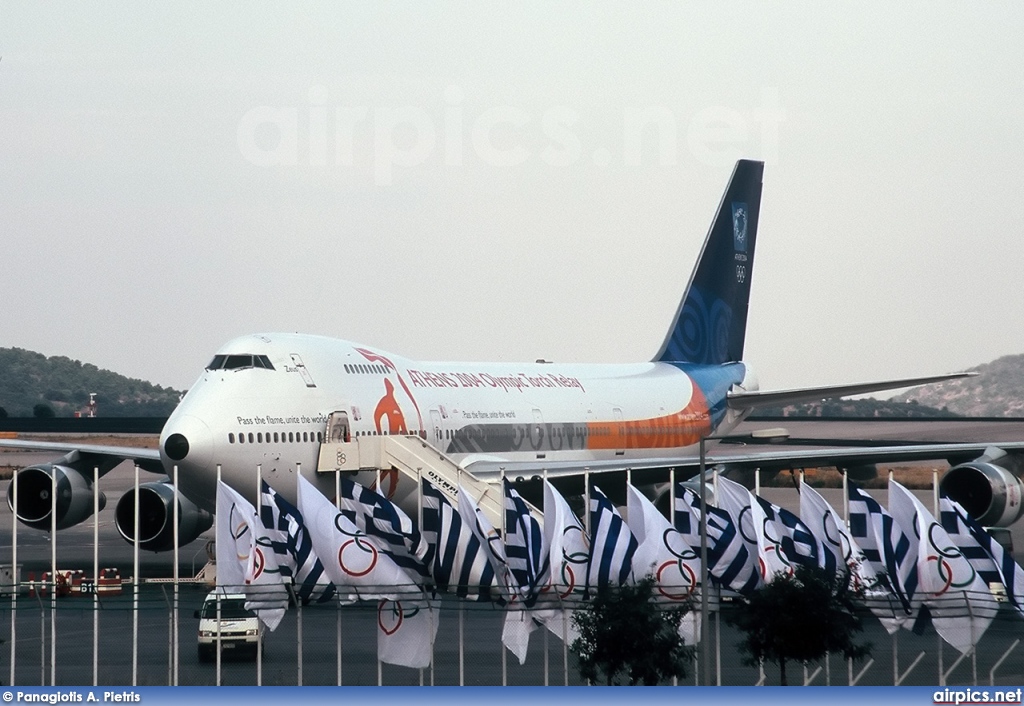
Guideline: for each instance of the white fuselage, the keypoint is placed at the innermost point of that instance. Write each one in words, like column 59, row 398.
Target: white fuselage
column 272, row 412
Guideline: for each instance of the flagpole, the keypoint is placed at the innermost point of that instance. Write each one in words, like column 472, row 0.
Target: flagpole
column 705, row 611
column 17, row 574
column 672, row 522
column 938, row 637
column 135, row 580
column 219, row 591
column 53, row 571
column 462, row 612
column 501, row 505
column 419, row 523
column 298, row 603
column 337, row 506
column 177, row 551
column 259, row 635
column 96, row 575
column 380, row 666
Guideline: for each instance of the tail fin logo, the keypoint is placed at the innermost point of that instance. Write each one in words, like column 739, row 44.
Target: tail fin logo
column 739, row 226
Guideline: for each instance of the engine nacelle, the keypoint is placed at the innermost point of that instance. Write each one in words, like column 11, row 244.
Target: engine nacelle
column 35, row 496
column 156, row 521
column 989, row 493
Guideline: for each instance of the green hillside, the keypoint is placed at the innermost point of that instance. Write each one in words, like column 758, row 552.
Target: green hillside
column 28, row 379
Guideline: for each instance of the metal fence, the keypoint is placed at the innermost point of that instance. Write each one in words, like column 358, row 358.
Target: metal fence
column 141, row 639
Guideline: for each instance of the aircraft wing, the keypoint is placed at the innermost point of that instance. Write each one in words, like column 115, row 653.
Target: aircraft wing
column 766, row 398
column 777, row 458
column 147, row 459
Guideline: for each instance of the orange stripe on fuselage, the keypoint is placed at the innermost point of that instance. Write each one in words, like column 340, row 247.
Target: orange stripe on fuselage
column 683, row 428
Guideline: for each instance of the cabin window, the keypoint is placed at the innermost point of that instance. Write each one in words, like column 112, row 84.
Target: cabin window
column 259, row 436
column 231, row 438
column 275, row 437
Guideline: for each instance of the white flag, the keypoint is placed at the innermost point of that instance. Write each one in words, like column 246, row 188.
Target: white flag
column 960, row 603
column 246, row 559
column 664, row 554
column 568, row 547
column 351, row 559
column 406, row 629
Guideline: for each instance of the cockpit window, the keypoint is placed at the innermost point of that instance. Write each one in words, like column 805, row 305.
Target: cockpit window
column 239, row 361
column 234, row 362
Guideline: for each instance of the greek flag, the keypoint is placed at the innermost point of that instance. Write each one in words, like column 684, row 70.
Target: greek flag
column 457, row 560
column 730, row 562
column 784, row 530
column 525, row 547
column 290, row 541
column 490, row 541
column 383, row 521
column 886, row 546
column 986, row 555
column 612, row 546
column 960, row 603
column 737, row 501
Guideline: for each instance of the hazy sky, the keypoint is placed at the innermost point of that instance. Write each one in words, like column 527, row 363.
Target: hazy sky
column 480, row 181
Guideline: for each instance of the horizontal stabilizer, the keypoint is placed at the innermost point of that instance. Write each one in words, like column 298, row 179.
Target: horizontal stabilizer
column 771, row 398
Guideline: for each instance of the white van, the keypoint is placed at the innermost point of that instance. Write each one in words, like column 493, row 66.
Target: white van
column 240, row 629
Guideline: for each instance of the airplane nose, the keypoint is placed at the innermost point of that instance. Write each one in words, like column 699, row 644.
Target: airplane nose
column 188, row 441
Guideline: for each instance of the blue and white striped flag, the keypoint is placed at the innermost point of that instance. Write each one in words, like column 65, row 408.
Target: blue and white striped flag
column 736, row 500
column 730, row 562
column 960, row 603
column 832, row 536
column 525, row 547
column 885, row 544
column 528, row 561
column 612, row 545
column 458, row 562
column 290, row 540
column 989, row 558
column 784, row 530
column 384, row 522
column 491, row 542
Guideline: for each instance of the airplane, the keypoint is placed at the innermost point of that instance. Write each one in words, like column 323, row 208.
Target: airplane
column 280, row 402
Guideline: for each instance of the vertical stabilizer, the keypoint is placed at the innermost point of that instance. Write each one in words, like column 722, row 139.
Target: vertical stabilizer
column 711, row 321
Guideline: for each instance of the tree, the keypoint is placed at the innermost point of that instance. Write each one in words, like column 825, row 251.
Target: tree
column 800, row 617
column 624, row 630
column 43, row 411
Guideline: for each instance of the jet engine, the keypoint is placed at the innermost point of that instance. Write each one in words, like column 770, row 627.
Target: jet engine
column 35, row 496
column 156, row 521
column 990, row 493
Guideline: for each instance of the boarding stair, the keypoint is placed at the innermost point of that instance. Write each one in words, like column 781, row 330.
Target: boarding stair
column 365, row 457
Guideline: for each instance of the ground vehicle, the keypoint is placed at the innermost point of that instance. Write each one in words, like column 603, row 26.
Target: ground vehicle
column 239, row 628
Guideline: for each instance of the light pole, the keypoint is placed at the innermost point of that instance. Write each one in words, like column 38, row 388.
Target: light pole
column 769, row 435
